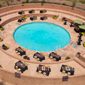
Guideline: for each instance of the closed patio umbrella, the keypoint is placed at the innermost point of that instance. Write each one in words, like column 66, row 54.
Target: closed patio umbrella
column 82, row 27
column 78, row 21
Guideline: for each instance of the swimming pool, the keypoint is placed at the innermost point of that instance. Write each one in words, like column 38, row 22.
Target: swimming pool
column 41, row 36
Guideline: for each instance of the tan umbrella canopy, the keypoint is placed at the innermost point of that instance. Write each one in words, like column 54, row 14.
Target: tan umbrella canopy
column 82, row 27
column 78, row 21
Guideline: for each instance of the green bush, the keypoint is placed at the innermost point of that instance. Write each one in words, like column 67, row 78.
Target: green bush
column 67, row 58
column 0, row 5
column 84, row 44
column 5, row 47
column 26, row 1
column 1, row 39
column 25, row 16
column 64, row 4
column 23, row 2
column 1, row 29
column 54, row 17
column 43, row 1
column 83, row 33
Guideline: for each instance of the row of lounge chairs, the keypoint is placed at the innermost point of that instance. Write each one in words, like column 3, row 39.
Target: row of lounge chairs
column 39, row 56
column 35, row 18
column 21, row 66
column 52, row 55
column 32, row 11
column 32, row 18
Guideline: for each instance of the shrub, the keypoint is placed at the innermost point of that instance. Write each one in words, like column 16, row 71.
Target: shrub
column 84, row 44
column 1, row 39
column 26, row 57
column 54, row 17
column 0, row 5
column 64, row 4
column 5, row 47
column 43, row 1
column 26, row 1
column 23, row 2
column 25, row 16
column 1, row 29
column 83, row 33
column 67, row 58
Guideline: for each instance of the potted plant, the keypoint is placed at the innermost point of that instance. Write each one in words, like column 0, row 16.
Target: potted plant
column 1, row 39
column 54, row 17
column 84, row 44
column 67, row 58
column 1, row 29
column 25, row 17
column 5, row 47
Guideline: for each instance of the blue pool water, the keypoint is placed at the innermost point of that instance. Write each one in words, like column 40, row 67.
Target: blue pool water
column 41, row 36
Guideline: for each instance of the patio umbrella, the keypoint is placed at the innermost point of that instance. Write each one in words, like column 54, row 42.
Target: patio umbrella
column 78, row 21
column 82, row 27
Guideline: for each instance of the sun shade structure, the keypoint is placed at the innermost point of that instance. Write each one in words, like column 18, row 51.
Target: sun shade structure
column 78, row 21
column 82, row 27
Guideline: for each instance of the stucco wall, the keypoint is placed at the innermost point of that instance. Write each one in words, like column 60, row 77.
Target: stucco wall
column 32, row 80
column 38, row 5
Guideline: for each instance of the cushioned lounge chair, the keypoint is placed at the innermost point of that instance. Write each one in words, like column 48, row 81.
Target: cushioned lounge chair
column 21, row 12
column 54, row 56
column 32, row 11
column 67, row 69
column 39, row 56
column 42, row 11
column 21, row 19
column 33, row 18
column 43, row 18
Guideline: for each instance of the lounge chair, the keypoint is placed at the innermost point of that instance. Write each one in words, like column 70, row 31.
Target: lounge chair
column 54, row 56
column 44, row 70
column 20, row 66
column 43, row 11
column 20, row 51
column 43, row 18
column 33, row 18
column 21, row 19
column 67, row 69
column 32, row 11
column 39, row 56
column 21, row 12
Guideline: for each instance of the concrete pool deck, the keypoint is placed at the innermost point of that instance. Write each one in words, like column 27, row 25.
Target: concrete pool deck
column 71, row 49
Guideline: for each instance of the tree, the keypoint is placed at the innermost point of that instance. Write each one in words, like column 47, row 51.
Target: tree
column 74, row 3
column 7, row 1
column 27, row 1
column 42, row 2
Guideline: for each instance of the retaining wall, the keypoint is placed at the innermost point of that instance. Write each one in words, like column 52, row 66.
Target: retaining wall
column 38, row 5
column 32, row 80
